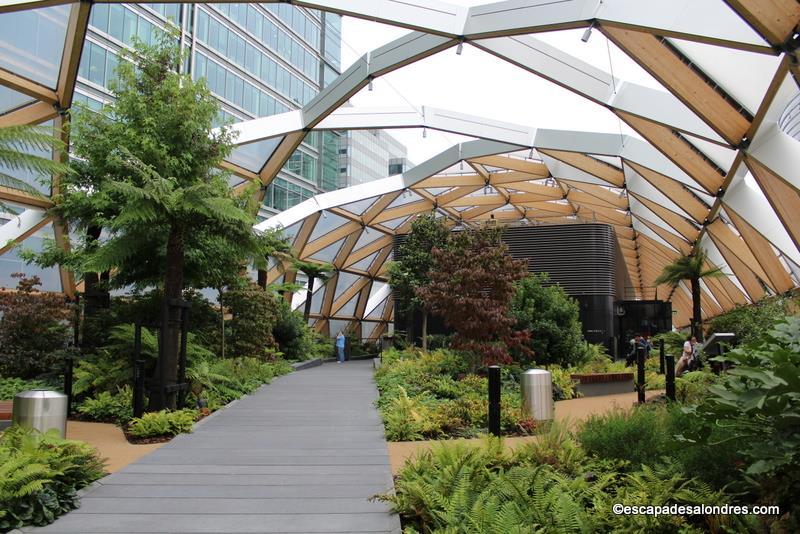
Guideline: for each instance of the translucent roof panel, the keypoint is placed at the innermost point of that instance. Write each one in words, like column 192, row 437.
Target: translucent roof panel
column 343, row 284
column 360, row 206
column 10, row 99
column 364, row 264
column 327, row 222
column 39, row 182
column 349, row 309
column 10, row 263
column 32, row 43
column 252, row 156
column 328, row 253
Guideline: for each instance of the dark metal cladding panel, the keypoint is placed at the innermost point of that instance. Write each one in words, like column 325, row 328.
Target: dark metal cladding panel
column 582, row 258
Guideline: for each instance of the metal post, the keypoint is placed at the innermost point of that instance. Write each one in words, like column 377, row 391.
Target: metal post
column 160, row 392
column 68, row 365
column 138, row 388
column 494, row 400
column 661, row 356
column 670, row 363
column 640, row 373
column 182, row 361
column 138, row 372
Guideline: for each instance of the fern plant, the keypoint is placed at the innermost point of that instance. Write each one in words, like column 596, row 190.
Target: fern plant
column 40, row 475
column 163, row 423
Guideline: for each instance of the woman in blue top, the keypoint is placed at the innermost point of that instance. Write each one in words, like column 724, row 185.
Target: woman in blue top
column 340, row 346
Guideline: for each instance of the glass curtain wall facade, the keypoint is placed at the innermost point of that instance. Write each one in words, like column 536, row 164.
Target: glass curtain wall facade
column 367, row 155
column 258, row 60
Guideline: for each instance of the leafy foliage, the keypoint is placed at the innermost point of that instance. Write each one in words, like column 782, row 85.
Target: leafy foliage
column 552, row 318
column 11, row 386
column 758, row 403
column 457, row 488
column 34, row 329
column 163, row 423
column 751, row 322
column 109, row 408
column 638, row 436
column 295, row 339
column 220, row 381
column 471, row 285
column 40, row 475
column 18, row 147
column 428, row 395
column 255, row 314
column 693, row 268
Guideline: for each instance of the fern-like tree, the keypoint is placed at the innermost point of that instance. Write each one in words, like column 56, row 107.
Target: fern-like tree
column 312, row 270
column 150, row 177
column 411, row 269
column 692, row 268
column 18, row 153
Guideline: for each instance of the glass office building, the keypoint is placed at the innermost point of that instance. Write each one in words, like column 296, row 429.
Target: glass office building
column 258, row 59
column 367, row 155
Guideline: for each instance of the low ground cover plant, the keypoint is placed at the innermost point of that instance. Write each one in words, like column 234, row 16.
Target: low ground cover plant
column 163, row 423
column 430, row 395
column 40, row 476
column 11, row 386
column 730, row 439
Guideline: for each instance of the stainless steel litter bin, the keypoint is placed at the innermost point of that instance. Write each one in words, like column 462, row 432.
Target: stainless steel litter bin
column 537, row 394
column 41, row 409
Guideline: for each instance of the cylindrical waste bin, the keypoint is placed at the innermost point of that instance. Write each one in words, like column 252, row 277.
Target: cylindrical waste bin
column 41, row 410
column 537, row 394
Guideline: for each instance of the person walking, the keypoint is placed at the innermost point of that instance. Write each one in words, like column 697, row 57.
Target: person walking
column 340, row 346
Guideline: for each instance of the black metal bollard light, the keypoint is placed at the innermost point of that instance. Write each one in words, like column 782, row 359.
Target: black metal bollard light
column 661, row 356
column 494, row 400
column 670, row 363
column 69, row 363
column 640, row 373
column 138, row 372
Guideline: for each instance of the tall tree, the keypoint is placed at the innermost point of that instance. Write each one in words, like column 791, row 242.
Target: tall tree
column 18, row 153
column 151, row 180
column 414, row 261
column 471, row 284
column 690, row 268
column 313, row 271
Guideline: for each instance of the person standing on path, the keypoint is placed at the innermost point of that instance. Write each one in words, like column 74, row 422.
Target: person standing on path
column 340, row 346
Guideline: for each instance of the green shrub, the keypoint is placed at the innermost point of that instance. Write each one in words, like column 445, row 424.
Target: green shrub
column 255, row 314
column 564, row 387
column 639, row 436
column 11, row 386
column 109, row 408
column 692, row 387
column 34, row 329
column 552, row 318
column 40, row 476
column 751, row 322
column 428, row 395
column 758, row 404
column 295, row 339
column 220, row 381
column 673, row 343
column 163, row 423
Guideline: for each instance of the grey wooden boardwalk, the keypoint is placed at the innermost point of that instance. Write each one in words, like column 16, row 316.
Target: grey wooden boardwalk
column 303, row 454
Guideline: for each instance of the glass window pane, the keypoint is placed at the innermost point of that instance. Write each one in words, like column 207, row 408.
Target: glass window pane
column 129, row 27
column 115, row 16
column 97, row 64
column 32, row 42
column 100, row 17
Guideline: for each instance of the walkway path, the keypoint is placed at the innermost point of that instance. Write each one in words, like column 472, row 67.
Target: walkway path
column 303, row 454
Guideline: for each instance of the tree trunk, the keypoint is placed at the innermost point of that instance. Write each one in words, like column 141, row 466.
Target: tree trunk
column 262, row 279
column 222, row 321
column 96, row 298
column 424, row 330
column 309, row 296
column 697, row 317
column 173, row 289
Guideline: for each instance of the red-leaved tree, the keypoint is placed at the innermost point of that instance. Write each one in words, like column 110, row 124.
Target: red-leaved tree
column 470, row 287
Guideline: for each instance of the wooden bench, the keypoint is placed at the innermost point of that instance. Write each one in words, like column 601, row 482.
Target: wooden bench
column 5, row 410
column 597, row 384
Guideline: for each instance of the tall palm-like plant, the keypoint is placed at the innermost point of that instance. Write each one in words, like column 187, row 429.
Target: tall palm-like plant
column 312, row 270
column 692, row 268
column 18, row 145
